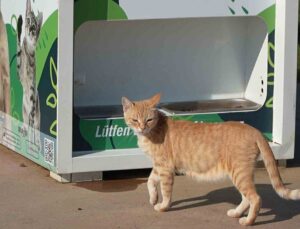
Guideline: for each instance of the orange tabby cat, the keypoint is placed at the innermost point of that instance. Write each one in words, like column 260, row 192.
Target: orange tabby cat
column 203, row 151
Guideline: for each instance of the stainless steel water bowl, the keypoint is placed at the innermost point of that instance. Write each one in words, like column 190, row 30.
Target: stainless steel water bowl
column 209, row 106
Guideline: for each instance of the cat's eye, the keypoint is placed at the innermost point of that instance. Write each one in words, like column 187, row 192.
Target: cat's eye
column 134, row 120
column 149, row 119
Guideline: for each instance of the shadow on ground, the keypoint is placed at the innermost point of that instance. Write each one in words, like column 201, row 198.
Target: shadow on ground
column 272, row 204
column 118, row 181
column 112, row 186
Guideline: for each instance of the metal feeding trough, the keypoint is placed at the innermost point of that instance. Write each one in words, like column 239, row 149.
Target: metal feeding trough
column 176, row 108
column 210, row 106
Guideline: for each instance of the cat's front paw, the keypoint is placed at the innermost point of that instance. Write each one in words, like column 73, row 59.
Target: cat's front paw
column 153, row 200
column 161, row 207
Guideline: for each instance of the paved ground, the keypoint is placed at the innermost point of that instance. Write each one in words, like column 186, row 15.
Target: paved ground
column 29, row 198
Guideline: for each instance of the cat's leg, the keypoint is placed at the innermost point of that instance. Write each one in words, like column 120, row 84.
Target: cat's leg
column 152, row 186
column 37, row 122
column 31, row 127
column 25, row 112
column 166, row 179
column 240, row 209
column 25, row 127
column 37, row 139
column 245, row 184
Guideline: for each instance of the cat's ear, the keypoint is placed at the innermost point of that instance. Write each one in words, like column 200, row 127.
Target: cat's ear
column 127, row 104
column 28, row 7
column 19, row 27
column 153, row 101
column 39, row 22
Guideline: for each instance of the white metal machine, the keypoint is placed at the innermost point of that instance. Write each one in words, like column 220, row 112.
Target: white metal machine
column 212, row 61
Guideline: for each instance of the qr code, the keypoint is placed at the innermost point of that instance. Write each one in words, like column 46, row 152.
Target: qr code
column 49, row 151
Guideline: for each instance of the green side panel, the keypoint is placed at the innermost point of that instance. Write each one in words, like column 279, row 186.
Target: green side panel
column 268, row 136
column 90, row 10
column 269, row 16
column 46, row 39
column 107, row 134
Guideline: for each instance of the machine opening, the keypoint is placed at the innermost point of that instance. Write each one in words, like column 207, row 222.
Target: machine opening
column 200, row 65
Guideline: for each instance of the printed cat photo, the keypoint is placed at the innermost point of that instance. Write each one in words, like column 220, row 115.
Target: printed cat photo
column 204, row 151
column 26, row 66
column 4, row 76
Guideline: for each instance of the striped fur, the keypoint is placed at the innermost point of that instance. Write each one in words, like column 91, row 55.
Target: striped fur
column 272, row 169
column 203, row 151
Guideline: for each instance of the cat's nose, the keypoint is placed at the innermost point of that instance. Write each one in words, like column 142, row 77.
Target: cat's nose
column 142, row 127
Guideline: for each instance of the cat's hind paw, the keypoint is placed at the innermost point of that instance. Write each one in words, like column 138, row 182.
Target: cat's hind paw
column 244, row 222
column 161, row 207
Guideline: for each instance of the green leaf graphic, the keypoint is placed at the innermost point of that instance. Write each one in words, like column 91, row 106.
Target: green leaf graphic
column 46, row 39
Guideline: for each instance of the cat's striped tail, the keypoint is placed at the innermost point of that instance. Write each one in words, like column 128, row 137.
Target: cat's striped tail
column 271, row 166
